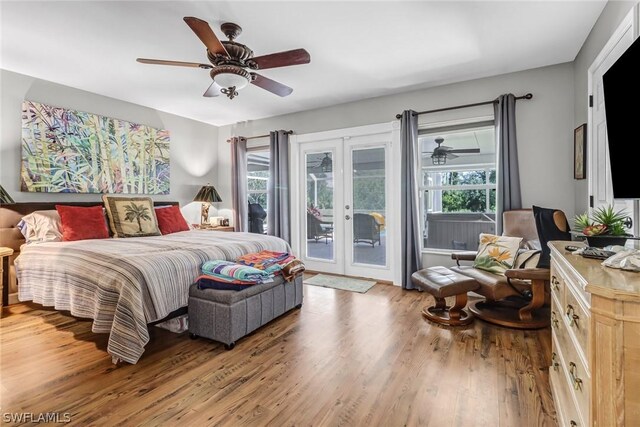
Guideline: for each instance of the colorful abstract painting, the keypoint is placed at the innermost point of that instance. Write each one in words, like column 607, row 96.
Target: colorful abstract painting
column 68, row 151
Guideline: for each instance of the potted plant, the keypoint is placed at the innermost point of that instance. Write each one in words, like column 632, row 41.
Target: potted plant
column 606, row 226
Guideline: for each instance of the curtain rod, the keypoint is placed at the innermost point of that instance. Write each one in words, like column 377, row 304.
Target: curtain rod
column 288, row 132
column 527, row 96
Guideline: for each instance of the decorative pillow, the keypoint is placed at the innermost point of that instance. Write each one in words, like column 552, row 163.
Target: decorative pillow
column 547, row 222
column 131, row 216
column 496, row 254
column 81, row 223
column 41, row 226
column 170, row 219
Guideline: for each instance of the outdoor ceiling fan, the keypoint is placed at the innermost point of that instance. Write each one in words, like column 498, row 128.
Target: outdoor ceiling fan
column 441, row 153
column 231, row 61
column 325, row 164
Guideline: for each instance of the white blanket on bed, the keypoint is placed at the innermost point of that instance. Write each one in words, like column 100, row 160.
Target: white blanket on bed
column 123, row 284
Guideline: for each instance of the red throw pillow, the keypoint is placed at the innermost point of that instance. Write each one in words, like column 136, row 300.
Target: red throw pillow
column 170, row 220
column 81, row 223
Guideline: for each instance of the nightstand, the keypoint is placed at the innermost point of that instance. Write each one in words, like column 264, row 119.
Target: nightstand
column 4, row 252
column 214, row 227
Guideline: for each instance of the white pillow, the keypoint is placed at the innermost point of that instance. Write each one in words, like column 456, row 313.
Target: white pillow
column 41, row 226
column 496, row 254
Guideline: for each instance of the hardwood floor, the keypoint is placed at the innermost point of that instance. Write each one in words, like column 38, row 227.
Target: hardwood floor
column 343, row 359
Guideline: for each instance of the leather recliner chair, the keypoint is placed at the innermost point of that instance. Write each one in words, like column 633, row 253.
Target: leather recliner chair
column 520, row 298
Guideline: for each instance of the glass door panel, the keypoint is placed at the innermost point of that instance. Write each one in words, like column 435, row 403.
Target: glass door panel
column 319, row 191
column 368, row 208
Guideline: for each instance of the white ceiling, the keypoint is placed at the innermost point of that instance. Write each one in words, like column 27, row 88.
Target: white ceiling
column 358, row 49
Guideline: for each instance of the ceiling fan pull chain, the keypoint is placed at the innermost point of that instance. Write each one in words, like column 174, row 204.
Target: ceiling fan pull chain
column 231, row 92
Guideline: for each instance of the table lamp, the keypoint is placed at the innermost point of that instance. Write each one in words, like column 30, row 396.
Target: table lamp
column 206, row 195
column 5, row 198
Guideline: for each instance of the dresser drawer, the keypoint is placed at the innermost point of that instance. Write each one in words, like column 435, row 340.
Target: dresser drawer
column 578, row 320
column 568, row 414
column 557, row 324
column 557, row 284
column 568, row 275
column 578, row 378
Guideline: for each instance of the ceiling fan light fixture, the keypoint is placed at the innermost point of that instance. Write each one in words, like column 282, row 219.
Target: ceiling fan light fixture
column 326, row 164
column 439, row 158
column 231, row 78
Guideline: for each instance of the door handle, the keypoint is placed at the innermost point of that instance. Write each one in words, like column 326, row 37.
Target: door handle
column 347, row 217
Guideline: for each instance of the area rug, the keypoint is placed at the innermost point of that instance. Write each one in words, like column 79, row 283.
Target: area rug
column 339, row 282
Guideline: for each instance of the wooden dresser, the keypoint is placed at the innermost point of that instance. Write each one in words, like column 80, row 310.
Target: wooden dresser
column 595, row 322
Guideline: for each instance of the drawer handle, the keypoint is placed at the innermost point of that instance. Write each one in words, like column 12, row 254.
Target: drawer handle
column 573, row 317
column 554, row 320
column 555, row 364
column 577, row 382
column 573, row 424
column 555, row 284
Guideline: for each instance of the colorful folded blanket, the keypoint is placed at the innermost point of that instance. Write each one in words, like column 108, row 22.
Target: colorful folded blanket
column 210, row 282
column 269, row 261
column 225, row 270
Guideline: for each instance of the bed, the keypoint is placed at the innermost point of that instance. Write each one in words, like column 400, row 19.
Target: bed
column 122, row 284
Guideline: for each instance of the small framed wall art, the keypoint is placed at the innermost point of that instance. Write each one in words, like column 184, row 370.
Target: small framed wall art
column 580, row 152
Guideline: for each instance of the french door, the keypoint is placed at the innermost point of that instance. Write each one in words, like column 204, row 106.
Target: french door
column 345, row 222
column 599, row 173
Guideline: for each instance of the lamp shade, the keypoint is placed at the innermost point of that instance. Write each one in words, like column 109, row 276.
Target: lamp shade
column 207, row 194
column 5, row 198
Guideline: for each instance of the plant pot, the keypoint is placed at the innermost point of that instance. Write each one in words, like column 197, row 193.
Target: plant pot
column 603, row 240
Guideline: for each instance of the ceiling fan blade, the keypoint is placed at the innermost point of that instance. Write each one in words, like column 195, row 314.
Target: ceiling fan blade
column 451, row 156
column 466, row 150
column 206, row 35
column 444, row 148
column 282, row 59
column 176, row 63
column 213, row 90
column 271, row 85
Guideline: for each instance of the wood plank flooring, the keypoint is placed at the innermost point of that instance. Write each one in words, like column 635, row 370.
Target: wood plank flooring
column 344, row 359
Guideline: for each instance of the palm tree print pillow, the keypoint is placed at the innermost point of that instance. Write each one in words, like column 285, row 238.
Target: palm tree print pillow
column 496, row 253
column 131, row 216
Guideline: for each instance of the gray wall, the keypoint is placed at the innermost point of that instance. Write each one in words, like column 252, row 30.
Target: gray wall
column 193, row 144
column 544, row 124
column 604, row 28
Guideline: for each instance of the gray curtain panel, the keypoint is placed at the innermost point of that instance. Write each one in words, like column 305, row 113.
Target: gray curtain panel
column 239, row 183
column 509, row 196
column 278, row 210
column 409, row 212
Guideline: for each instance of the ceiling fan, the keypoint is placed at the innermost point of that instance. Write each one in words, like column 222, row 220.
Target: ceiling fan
column 325, row 164
column 441, row 153
column 231, row 61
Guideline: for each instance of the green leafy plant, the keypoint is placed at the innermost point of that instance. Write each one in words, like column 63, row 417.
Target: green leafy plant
column 604, row 220
column 582, row 221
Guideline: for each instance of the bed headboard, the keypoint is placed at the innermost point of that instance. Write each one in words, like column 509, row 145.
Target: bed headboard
column 11, row 237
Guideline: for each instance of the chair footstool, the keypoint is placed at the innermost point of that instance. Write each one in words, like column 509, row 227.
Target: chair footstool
column 441, row 283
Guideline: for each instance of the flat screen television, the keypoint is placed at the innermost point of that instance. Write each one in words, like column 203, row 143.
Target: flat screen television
column 621, row 85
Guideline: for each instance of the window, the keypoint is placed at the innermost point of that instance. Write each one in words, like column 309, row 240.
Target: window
column 458, row 185
column 257, row 176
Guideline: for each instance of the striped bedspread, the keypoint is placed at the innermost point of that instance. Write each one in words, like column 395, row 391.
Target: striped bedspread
column 123, row 284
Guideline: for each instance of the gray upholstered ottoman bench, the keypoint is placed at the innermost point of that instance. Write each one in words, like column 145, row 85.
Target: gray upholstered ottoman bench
column 227, row 316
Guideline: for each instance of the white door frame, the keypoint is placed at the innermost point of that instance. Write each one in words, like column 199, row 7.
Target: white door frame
column 628, row 24
column 298, row 238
